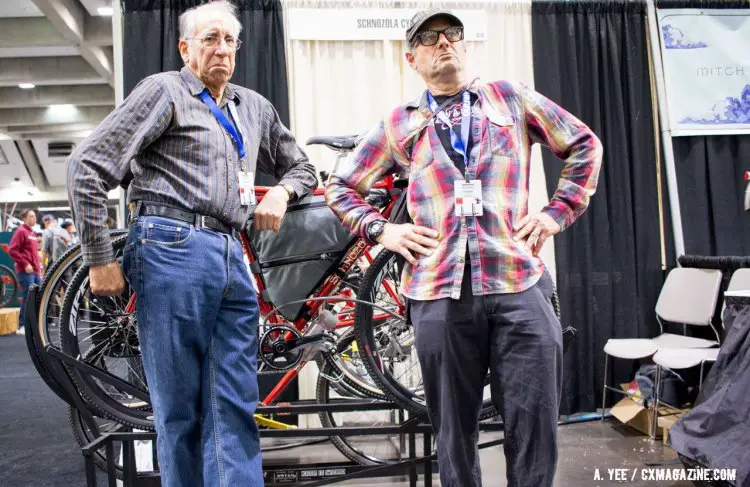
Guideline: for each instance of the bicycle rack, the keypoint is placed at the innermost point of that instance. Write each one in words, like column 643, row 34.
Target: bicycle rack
column 58, row 364
column 305, row 475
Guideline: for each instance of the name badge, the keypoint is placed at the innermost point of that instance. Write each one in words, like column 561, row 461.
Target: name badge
column 468, row 196
column 247, row 188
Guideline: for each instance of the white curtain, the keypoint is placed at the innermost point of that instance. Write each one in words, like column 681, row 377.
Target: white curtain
column 346, row 87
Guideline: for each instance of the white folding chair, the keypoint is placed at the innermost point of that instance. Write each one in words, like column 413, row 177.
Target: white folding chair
column 685, row 358
column 688, row 297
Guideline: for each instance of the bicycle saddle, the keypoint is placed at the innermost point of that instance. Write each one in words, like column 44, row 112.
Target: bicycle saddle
column 346, row 142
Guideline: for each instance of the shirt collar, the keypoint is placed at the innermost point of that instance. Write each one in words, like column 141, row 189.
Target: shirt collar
column 423, row 105
column 196, row 86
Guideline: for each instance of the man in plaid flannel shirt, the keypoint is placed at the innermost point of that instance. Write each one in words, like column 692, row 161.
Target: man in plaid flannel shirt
column 480, row 297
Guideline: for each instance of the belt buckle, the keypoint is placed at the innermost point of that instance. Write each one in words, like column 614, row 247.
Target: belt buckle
column 202, row 221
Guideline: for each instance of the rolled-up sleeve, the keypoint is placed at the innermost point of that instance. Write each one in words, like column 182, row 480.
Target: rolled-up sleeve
column 574, row 142
column 281, row 156
column 354, row 177
column 102, row 160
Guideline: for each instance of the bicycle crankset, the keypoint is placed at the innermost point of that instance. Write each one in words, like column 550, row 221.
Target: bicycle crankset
column 283, row 347
column 277, row 347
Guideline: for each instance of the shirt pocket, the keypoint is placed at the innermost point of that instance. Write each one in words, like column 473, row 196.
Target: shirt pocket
column 502, row 133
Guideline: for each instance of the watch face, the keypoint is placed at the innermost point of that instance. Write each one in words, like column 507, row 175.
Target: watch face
column 375, row 230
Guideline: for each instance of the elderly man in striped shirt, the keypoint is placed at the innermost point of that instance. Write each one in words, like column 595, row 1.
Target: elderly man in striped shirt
column 193, row 142
column 480, row 297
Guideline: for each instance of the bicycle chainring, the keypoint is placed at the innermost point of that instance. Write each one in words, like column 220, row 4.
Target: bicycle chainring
column 275, row 349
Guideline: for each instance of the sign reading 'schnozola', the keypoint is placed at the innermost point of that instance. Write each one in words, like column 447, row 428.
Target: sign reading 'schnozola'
column 358, row 24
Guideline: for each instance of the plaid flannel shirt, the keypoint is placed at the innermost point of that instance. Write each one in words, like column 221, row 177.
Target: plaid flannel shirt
column 506, row 120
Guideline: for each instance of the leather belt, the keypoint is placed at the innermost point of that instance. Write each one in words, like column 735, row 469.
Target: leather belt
column 151, row 209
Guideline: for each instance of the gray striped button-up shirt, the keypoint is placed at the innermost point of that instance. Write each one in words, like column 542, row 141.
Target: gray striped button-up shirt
column 179, row 155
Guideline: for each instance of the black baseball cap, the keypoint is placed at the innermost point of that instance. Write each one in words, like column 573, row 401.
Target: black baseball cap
column 423, row 16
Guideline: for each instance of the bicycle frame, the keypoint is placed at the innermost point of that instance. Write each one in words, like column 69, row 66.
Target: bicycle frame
column 357, row 250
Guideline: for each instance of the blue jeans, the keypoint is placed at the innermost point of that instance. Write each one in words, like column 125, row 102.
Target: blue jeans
column 197, row 322
column 26, row 280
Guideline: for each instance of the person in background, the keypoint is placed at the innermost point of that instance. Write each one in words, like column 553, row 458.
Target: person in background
column 24, row 250
column 69, row 230
column 48, row 234
column 479, row 295
column 55, row 241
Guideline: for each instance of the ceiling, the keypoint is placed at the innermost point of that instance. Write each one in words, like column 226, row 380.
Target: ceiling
column 64, row 48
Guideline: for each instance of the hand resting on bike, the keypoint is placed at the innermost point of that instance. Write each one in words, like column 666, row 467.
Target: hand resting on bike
column 106, row 279
column 406, row 238
column 271, row 209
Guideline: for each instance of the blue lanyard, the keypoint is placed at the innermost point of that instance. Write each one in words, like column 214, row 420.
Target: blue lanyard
column 224, row 121
column 459, row 145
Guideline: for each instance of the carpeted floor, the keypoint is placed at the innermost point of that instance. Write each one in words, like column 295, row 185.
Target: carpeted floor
column 37, row 447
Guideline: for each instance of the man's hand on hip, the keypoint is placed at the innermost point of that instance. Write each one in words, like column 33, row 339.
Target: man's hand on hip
column 271, row 210
column 106, row 279
column 29, row 268
column 407, row 238
column 535, row 229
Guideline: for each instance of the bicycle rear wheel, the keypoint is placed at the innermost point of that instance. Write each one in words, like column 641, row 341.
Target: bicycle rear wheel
column 53, row 287
column 101, row 331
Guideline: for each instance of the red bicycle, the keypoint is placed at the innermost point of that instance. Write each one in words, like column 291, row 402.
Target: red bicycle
column 308, row 278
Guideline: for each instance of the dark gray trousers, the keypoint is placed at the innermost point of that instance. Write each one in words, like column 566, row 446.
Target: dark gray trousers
column 519, row 339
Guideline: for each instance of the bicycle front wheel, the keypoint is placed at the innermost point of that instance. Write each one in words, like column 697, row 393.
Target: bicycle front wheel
column 387, row 343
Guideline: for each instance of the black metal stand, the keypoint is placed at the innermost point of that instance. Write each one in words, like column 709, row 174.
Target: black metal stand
column 58, row 365
column 306, row 475
column 54, row 365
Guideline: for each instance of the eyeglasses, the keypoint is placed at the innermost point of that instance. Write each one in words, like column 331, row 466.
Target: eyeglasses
column 430, row 37
column 213, row 40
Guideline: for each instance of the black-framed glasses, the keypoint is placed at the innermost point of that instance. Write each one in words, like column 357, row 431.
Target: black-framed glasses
column 430, row 37
column 213, row 40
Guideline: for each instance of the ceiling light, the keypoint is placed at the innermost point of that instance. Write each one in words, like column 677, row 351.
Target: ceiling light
column 27, row 86
column 105, row 11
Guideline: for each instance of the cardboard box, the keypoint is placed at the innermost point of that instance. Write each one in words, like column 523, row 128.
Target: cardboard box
column 8, row 320
column 640, row 418
column 665, row 423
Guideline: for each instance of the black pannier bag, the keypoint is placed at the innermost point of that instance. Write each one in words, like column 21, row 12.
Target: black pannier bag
column 308, row 247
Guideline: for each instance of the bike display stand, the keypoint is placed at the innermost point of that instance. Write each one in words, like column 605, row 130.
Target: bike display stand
column 307, row 475
column 58, row 364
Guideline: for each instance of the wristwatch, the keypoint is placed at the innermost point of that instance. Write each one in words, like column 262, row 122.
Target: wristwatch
column 374, row 230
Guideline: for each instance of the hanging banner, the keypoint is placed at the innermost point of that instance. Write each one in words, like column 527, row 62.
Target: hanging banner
column 368, row 24
column 706, row 70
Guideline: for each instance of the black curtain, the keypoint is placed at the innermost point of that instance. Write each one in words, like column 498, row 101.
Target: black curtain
column 710, row 181
column 151, row 33
column 150, row 38
column 591, row 58
column 712, row 190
